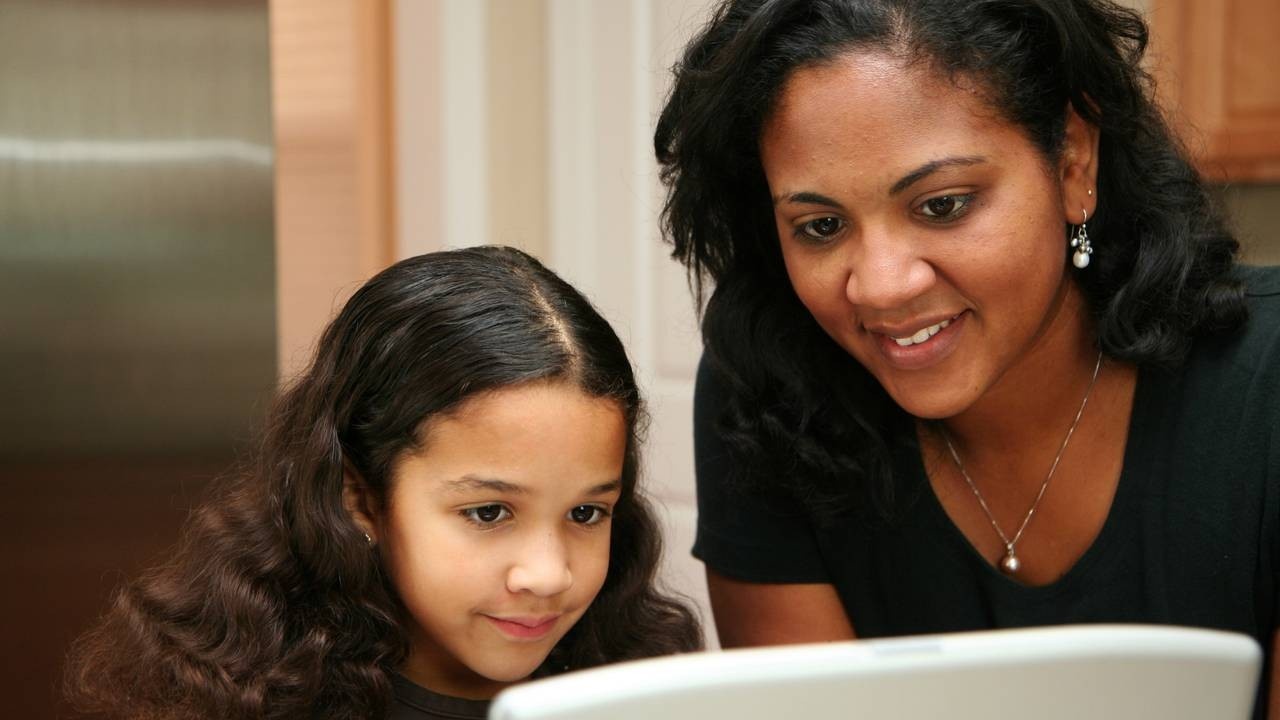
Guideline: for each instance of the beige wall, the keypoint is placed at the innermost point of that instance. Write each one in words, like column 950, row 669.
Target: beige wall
column 471, row 105
column 1255, row 213
column 517, row 125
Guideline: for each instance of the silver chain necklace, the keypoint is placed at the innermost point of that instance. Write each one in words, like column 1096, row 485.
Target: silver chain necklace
column 1010, row 563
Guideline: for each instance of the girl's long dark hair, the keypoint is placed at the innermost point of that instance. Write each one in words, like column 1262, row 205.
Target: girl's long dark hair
column 272, row 605
column 801, row 410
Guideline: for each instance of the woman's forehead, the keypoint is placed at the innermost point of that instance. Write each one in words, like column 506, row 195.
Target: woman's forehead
column 879, row 114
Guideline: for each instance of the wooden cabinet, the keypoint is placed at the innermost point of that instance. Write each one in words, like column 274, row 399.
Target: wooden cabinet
column 1218, row 65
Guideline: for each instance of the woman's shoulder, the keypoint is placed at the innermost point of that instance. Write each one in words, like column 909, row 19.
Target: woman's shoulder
column 1260, row 338
column 1244, row 363
column 1260, row 281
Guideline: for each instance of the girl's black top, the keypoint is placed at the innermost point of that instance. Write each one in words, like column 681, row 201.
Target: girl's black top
column 414, row 702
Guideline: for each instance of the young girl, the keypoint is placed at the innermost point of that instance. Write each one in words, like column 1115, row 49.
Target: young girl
column 444, row 503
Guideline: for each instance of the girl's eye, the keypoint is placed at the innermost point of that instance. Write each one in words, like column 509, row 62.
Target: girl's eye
column 945, row 207
column 822, row 228
column 588, row 514
column 487, row 514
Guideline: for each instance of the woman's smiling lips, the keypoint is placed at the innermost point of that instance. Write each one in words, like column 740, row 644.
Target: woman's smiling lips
column 524, row 628
column 920, row 348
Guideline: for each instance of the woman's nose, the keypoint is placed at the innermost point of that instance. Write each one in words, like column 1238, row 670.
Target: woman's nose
column 541, row 567
column 885, row 272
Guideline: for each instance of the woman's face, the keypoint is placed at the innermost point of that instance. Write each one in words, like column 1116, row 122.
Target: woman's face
column 924, row 232
column 496, row 533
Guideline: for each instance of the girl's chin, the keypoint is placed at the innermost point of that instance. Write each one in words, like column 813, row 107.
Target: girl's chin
column 508, row 670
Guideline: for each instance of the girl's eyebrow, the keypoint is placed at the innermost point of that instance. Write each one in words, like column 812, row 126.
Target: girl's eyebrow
column 605, row 488
column 468, row 483
column 473, row 482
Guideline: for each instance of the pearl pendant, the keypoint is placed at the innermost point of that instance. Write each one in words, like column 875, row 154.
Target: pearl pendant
column 1010, row 563
column 1080, row 259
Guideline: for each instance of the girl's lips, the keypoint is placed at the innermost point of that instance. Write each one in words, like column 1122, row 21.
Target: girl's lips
column 523, row 628
column 925, row 354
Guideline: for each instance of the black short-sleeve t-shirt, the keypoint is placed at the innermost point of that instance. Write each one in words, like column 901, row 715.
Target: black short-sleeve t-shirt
column 414, row 702
column 1191, row 537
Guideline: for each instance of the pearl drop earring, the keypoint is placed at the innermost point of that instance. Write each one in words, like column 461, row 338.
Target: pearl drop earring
column 1080, row 241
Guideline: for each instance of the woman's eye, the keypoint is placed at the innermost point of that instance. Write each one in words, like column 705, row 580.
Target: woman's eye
column 487, row 514
column 946, row 207
column 822, row 228
column 588, row 514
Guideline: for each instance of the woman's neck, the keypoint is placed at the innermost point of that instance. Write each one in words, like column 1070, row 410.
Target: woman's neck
column 1032, row 405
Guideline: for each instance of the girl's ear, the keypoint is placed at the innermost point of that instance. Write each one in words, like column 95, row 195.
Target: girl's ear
column 360, row 504
column 1079, row 168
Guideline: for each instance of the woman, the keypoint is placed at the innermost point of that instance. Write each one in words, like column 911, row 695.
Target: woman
column 978, row 353
column 445, row 503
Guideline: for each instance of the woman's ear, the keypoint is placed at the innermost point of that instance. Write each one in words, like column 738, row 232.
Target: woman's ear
column 360, row 503
column 1079, row 168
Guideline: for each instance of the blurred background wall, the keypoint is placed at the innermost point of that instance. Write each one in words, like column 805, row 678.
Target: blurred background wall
column 190, row 188
column 135, row 141
column 137, row 294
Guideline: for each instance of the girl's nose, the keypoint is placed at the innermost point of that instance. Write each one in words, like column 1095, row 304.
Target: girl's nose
column 542, row 568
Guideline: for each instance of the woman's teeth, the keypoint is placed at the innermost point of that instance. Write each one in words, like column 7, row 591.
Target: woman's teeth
column 922, row 334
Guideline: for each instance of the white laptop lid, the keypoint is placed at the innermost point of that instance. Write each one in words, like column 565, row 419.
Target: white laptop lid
column 1065, row 672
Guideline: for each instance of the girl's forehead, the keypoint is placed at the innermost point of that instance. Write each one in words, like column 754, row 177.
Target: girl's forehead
column 532, row 402
column 538, row 436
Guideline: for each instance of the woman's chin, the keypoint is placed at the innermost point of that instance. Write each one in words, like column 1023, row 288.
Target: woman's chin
column 930, row 403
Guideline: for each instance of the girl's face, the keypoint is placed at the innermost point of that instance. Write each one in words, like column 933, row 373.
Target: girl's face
column 496, row 534
column 923, row 232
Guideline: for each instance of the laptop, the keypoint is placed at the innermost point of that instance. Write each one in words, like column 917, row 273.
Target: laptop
column 1056, row 673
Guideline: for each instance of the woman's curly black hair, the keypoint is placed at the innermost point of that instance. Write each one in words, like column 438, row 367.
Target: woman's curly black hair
column 273, row 605
column 799, row 407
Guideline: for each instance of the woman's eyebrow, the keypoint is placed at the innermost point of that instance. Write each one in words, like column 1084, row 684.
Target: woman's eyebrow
column 931, row 167
column 805, row 198
column 911, row 178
